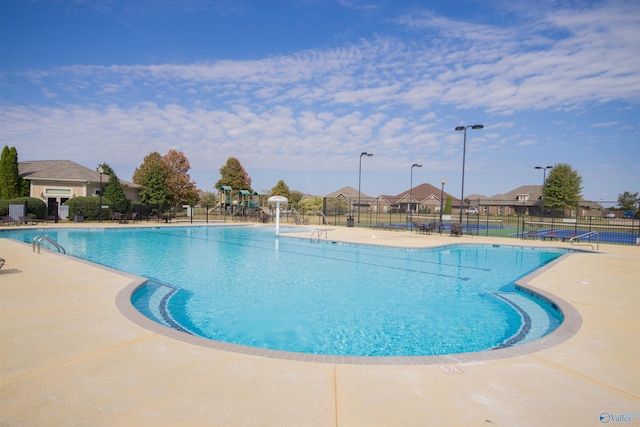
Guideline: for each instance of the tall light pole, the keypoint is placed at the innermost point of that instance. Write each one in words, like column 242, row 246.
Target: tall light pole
column 363, row 154
column 442, row 181
column 464, row 151
column 415, row 165
column 100, row 171
column 544, row 181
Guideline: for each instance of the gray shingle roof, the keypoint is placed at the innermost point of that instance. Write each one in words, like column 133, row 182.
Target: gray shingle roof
column 425, row 191
column 61, row 170
column 349, row 193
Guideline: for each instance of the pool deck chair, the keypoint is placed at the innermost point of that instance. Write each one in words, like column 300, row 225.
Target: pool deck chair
column 7, row 220
column 28, row 221
column 530, row 234
column 1, row 263
column 551, row 235
column 456, row 230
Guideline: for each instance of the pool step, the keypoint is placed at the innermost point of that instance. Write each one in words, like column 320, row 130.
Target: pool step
column 536, row 321
column 149, row 300
column 154, row 301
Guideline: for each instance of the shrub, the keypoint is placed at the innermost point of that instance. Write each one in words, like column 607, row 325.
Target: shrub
column 87, row 206
column 36, row 208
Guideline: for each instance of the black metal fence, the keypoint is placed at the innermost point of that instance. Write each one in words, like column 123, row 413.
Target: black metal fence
column 616, row 227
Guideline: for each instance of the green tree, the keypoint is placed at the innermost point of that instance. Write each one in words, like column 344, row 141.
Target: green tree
column 563, row 188
column 149, row 161
column 114, row 192
column 154, row 189
column 313, row 204
column 628, row 201
column 152, row 175
column 296, row 196
column 10, row 181
column 181, row 189
column 447, row 206
column 232, row 174
column 209, row 198
column 282, row 189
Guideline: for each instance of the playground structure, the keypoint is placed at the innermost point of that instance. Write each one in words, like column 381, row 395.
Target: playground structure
column 241, row 202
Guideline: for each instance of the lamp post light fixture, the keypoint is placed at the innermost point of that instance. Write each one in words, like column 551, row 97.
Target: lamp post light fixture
column 544, row 181
column 464, row 150
column 363, row 154
column 415, row 165
column 100, row 171
column 442, row 181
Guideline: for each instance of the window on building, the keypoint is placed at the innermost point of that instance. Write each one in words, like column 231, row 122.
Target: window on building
column 58, row 191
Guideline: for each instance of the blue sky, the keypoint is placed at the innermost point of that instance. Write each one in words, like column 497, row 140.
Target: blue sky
column 297, row 89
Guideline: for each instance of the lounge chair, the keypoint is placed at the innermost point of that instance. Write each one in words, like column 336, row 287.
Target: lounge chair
column 530, row 234
column 432, row 227
column 7, row 220
column 1, row 263
column 27, row 220
column 456, row 230
column 549, row 235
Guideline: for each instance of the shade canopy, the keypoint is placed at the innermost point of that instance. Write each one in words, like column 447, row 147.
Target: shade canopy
column 278, row 199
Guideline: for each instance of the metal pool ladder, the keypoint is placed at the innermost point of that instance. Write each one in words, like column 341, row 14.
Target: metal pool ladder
column 576, row 240
column 38, row 240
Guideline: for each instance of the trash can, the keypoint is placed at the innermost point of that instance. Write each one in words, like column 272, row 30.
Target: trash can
column 78, row 216
column 349, row 221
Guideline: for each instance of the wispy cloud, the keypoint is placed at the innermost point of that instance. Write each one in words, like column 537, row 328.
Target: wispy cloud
column 604, row 125
column 491, row 71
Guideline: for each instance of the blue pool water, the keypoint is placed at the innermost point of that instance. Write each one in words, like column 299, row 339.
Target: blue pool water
column 246, row 286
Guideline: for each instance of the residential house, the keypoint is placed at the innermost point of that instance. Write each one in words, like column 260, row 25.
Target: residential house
column 422, row 198
column 355, row 200
column 385, row 203
column 527, row 199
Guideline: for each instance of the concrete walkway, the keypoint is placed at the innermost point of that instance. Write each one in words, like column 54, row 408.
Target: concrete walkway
column 68, row 356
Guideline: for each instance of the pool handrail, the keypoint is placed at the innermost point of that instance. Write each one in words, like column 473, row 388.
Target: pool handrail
column 38, row 240
column 575, row 241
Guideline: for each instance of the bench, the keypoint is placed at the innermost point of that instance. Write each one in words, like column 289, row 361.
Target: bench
column 456, row 230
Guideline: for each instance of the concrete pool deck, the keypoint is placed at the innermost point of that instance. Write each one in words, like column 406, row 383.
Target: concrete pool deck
column 68, row 356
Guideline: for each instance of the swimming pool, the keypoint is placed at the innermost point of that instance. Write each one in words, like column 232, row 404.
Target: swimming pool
column 245, row 286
